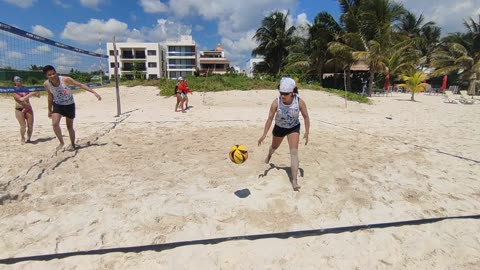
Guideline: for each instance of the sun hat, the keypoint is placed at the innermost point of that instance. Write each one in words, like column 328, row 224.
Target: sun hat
column 287, row 85
column 180, row 78
column 17, row 79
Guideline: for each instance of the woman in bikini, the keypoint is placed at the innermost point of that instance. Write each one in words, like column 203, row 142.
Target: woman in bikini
column 179, row 94
column 24, row 110
column 286, row 110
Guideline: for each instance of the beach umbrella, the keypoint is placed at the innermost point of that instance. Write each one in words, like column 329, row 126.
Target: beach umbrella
column 444, row 83
column 387, row 82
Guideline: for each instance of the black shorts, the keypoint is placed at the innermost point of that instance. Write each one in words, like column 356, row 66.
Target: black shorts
column 282, row 132
column 65, row 110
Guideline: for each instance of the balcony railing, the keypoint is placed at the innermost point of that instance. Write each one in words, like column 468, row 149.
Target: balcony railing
column 173, row 66
column 133, row 57
column 132, row 69
column 175, row 54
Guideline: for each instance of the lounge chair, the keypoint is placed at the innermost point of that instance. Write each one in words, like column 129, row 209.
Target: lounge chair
column 450, row 98
column 465, row 98
column 454, row 89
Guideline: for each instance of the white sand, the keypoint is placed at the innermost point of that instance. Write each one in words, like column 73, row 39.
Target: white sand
column 154, row 176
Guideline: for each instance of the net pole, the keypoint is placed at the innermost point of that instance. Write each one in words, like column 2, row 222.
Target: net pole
column 117, row 89
column 100, row 58
column 345, row 86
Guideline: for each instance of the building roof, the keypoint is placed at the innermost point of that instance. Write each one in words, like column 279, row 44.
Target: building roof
column 360, row 66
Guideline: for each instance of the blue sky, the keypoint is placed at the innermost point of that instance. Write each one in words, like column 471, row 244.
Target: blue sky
column 81, row 23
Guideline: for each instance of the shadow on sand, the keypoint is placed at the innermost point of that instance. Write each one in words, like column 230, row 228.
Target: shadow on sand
column 41, row 140
column 287, row 170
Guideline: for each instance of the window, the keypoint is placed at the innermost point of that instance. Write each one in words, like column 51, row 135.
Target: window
column 140, row 54
column 112, row 53
column 112, row 65
column 151, row 52
column 127, row 54
column 152, row 64
column 152, row 76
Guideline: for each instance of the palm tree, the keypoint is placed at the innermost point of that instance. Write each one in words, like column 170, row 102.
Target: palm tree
column 414, row 82
column 373, row 20
column 460, row 52
column 400, row 57
column 312, row 54
column 35, row 68
column 273, row 39
column 425, row 36
column 411, row 25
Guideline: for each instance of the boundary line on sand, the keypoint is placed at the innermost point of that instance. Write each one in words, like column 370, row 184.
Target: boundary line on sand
column 213, row 241
column 393, row 138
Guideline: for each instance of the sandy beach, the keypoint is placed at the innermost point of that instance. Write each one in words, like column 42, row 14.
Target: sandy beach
column 153, row 176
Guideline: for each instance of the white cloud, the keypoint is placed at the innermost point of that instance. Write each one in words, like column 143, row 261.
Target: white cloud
column 447, row 14
column 41, row 49
column 42, row 31
column 93, row 4
column 21, row 3
column 237, row 21
column 65, row 62
column 153, row 6
column 166, row 30
column 60, row 3
column 239, row 50
column 14, row 55
column 199, row 28
column 95, row 29
column 234, row 17
column 301, row 24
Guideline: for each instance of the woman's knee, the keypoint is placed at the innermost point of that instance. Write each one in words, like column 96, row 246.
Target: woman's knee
column 56, row 124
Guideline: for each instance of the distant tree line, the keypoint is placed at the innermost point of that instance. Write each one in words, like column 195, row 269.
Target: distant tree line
column 380, row 34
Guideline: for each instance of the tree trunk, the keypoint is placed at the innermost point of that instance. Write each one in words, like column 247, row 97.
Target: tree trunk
column 335, row 79
column 320, row 74
column 349, row 80
column 370, row 82
column 472, row 84
column 413, row 96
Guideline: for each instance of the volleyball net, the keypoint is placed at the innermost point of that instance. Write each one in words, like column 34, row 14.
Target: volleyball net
column 25, row 54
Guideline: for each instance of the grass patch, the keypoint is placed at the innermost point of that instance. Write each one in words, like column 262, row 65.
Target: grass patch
column 217, row 83
column 350, row 96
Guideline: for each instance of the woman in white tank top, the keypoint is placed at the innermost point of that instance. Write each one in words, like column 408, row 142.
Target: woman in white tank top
column 286, row 110
column 61, row 103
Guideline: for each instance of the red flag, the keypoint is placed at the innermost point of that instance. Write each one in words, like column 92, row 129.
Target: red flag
column 387, row 82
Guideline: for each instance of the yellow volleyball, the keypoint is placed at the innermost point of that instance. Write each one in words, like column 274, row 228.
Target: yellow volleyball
column 238, row 154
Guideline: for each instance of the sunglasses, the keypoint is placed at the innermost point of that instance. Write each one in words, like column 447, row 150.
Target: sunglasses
column 284, row 94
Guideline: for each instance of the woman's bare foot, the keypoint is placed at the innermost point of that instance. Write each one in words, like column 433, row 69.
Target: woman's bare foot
column 267, row 159
column 71, row 147
column 59, row 147
column 22, row 141
column 295, row 185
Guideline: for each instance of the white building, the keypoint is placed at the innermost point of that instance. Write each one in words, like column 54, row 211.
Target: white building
column 213, row 61
column 145, row 58
column 251, row 65
column 170, row 59
column 180, row 57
